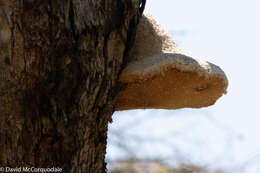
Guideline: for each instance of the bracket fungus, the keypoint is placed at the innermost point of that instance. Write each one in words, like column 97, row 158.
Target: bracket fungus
column 160, row 76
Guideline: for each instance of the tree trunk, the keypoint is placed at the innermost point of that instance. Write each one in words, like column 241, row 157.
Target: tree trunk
column 58, row 77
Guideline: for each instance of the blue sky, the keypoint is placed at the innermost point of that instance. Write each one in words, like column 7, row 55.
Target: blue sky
column 226, row 33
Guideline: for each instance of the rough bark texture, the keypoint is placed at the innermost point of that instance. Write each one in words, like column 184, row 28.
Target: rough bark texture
column 59, row 67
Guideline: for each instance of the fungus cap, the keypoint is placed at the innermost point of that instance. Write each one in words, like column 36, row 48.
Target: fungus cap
column 160, row 76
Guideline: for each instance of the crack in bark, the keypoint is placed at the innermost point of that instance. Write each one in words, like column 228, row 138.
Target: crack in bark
column 72, row 20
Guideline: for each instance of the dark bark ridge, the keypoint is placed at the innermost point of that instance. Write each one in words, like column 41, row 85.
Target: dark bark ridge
column 60, row 79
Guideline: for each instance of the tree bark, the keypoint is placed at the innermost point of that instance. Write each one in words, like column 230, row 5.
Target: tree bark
column 59, row 68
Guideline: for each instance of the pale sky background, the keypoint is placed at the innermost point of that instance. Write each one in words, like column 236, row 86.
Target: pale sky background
column 226, row 33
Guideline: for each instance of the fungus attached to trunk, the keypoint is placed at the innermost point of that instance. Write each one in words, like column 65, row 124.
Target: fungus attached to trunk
column 160, row 76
